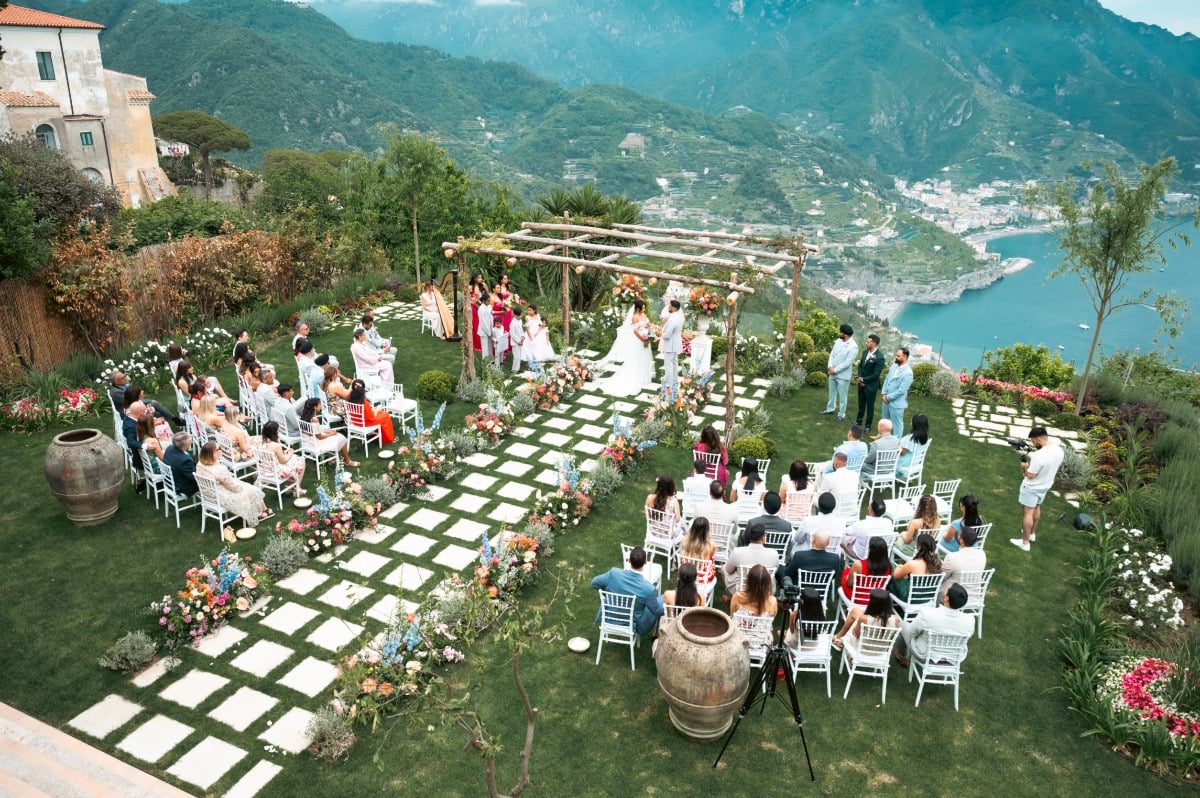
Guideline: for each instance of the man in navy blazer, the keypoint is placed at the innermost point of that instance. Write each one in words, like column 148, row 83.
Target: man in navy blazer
column 183, row 467
column 647, row 604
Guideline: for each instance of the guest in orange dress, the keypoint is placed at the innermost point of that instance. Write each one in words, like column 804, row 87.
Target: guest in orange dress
column 371, row 416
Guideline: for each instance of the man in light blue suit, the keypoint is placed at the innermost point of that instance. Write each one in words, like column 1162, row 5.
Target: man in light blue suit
column 647, row 604
column 841, row 363
column 895, row 392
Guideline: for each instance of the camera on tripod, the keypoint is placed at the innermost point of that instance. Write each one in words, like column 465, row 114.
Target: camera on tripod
column 791, row 592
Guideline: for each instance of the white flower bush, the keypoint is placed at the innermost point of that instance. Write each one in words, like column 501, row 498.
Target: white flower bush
column 1145, row 597
column 146, row 366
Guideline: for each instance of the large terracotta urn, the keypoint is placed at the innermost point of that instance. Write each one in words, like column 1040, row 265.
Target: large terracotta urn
column 86, row 470
column 703, row 670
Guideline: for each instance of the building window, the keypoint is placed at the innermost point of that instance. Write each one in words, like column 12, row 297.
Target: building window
column 45, row 66
column 94, row 176
column 45, row 134
column 85, row 138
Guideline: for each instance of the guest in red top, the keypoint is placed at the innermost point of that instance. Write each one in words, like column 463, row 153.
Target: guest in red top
column 876, row 564
column 710, row 442
column 371, row 416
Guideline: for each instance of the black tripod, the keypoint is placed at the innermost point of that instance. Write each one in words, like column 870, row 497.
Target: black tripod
column 764, row 686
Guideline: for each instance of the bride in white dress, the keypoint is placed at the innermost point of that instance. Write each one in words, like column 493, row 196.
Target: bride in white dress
column 632, row 350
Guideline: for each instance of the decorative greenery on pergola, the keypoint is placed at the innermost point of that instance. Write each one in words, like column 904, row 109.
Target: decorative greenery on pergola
column 580, row 247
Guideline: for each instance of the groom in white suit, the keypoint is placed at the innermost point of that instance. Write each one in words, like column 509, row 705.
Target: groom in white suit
column 670, row 343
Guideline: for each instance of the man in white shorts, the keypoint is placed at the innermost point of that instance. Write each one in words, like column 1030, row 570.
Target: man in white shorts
column 1039, row 471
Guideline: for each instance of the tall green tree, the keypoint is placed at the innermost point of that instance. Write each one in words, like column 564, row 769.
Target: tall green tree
column 1110, row 236
column 205, row 133
column 412, row 167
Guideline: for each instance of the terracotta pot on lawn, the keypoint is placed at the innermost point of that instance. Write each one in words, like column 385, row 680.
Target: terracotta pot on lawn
column 86, row 471
column 703, row 670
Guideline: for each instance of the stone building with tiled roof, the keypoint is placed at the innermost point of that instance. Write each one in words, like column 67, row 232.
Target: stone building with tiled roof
column 53, row 84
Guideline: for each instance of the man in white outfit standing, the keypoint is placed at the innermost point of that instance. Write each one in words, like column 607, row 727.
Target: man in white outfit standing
column 841, row 363
column 485, row 328
column 516, row 335
column 670, row 343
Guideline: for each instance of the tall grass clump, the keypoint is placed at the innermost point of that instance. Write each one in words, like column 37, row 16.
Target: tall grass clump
column 1175, row 516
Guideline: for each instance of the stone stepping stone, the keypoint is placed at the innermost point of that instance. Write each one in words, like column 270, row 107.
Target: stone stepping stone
column 345, row 594
column 589, row 399
column 290, row 732
column 554, row 439
column 468, row 530
column 479, row 460
column 559, row 423
column 523, row 432
column 515, row 490
column 255, row 779
column 435, row 493
column 106, row 717
column 154, row 671
column 514, row 469
column 456, row 557
column 243, row 708
column 384, row 610
column 552, row 457
column 413, row 544
column 547, row 477
column 225, row 638
column 334, row 634
column 522, row 450
column 303, row 581
column 408, row 577
column 154, row 738
column 713, row 410
column 261, row 658
column 559, row 409
column 507, row 513
column 469, row 503
column 590, row 447
column 624, row 407
column 760, row 382
column 328, row 556
column 394, row 510
column 741, row 401
column 310, row 677
column 193, row 688
column 593, row 431
column 289, row 618
column 205, row 764
column 426, row 518
column 587, row 414
column 365, row 563
column 480, row 482
column 376, row 534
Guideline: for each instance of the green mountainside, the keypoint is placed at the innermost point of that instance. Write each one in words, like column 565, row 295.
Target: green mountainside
column 913, row 85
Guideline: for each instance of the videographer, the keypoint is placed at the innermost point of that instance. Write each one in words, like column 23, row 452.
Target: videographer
column 1038, row 471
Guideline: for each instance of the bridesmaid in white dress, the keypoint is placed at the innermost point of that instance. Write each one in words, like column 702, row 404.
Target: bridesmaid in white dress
column 637, row 358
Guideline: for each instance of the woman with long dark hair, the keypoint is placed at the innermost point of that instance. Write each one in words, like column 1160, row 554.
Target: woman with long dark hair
column 710, row 442
column 685, row 593
column 757, row 596
column 371, row 416
column 924, row 561
column 797, row 491
column 917, row 440
column 968, row 505
column 878, row 612
column 876, row 564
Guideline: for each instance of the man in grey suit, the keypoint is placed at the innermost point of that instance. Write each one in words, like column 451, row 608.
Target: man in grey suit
column 670, row 343
column 885, row 441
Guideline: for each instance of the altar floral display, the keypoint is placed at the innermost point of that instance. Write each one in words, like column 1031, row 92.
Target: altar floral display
column 31, row 413
column 628, row 288
column 504, row 569
column 1135, row 686
column 549, row 386
column 625, row 449
column 210, row 592
column 333, row 520
column 427, row 456
column 704, row 300
column 564, row 507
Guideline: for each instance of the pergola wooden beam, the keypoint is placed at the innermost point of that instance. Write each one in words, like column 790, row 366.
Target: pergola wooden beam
column 644, row 251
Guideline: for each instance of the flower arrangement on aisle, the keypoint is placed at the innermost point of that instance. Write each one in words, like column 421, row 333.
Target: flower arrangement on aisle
column 625, row 449
column 1137, row 687
column 438, row 451
column 628, row 288
column 504, row 569
column 210, row 592
column 996, row 387
column 705, row 301
column 493, row 422
column 674, row 406
column 564, row 507
column 32, row 413
column 333, row 520
column 549, row 386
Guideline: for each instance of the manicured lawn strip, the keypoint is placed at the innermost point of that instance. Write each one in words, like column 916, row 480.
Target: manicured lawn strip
column 68, row 593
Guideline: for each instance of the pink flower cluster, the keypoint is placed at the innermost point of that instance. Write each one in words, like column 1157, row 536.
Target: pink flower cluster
column 1136, row 694
column 1032, row 391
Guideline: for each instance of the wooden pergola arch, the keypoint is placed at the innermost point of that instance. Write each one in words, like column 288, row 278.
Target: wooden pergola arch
column 580, row 247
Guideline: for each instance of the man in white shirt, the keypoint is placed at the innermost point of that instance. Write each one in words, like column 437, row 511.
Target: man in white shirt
column 967, row 558
column 840, row 365
column 753, row 554
column 695, row 489
column 381, row 345
column 265, row 390
column 516, row 337
column 945, row 618
column 821, row 522
column 856, row 538
column 716, row 509
column 843, row 484
column 1038, row 472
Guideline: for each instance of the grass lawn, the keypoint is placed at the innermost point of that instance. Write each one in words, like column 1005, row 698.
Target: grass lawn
column 69, row 593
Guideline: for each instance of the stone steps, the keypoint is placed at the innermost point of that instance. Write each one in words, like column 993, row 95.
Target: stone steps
column 38, row 760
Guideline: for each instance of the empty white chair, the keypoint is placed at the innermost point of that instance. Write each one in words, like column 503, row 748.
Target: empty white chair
column 401, row 409
column 357, row 428
column 922, row 593
column 154, row 480
column 616, row 623
column 869, row 655
column 210, row 505
column 900, row 509
column 725, row 537
column 884, row 475
column 911, row 474
column 943, row 493
column 814, row 654
column 976, row 584
column 941, row 664
column 693, row 496
column 670, row 613
column 757, row 630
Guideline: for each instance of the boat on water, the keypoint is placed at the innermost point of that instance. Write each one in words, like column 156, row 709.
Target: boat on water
column 1084, row 327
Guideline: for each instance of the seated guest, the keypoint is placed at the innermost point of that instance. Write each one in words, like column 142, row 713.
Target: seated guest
column 811, row 608
column 925, row 519
column 771, row 520
column 875, row 564
column 696, row 544
column 265, row 390
column 843, row 484
column 716, row 509
column 857, row 536
column 371, row 416
column 924, row 561
column 214, row 421
column 152, row 431
column 885, row 441
column 288, row 464
column 327, row 440
column 183, row 467
column 757, row 596
column 647, row 604
column 291, row 409
column 133, row 414
column 693, row 486
column 966, row 558
column 685, row 593
column 968, row 507
column 234, row 496
column 946, row 618
column 376, row 341
column 749, row 480
column 877, row 612
column 823, row 522
column 853, row 446
column 429, row 310
column 241, row 348
column 301, row 334
column 917, row 440
column 754, row 553
column 120, row 388
column 664, row 500
column 369, row 361
column 335, row 393
column 710, row 441
column 797, row 492
column 817, row 558
column 174, row 357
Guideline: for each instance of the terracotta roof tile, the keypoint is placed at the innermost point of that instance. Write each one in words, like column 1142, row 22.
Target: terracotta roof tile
column 29, row 18
column 139, row 96
column 16, row 99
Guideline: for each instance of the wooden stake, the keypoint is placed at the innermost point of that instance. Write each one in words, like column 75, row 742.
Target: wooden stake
column 464, row 324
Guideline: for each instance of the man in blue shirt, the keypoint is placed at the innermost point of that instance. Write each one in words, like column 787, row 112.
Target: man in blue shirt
column 647, row 604
column 895, row 392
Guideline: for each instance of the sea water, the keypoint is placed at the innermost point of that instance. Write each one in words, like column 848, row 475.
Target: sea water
column 1028, row 308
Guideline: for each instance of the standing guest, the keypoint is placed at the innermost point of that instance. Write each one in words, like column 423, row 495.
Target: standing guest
column 716, row 509
column 174, row 356
column 946, row 618
column 516, row 335
column 840, row 365
column 875, row 564
column 486, row 326
column 234, row 496
column 501, row 320
column 818, row 559
column 371, row 361
column 756, row 596
column 968, row 507
column 797, row 491
column 857, row 537
column 885, row 441
column 475, row 291
column 371, row 416
column 915, row 442
column 685, row 593
column 878, row 612
column 327, row 440
column 870, row 367
column 502, row 313
column 753, row 553
column 537, row 338
column 895, row 391
column 183, row 467
column 1038, row 471
column 647, row 604
column 381, row 346
column 241, row 348
column 289, row 465
column 710, row 443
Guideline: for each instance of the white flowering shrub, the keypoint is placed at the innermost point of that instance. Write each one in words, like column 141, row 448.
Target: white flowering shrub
column 1145, row 598
column 146, row 366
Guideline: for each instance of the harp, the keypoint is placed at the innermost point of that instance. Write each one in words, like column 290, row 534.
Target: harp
column 449, row 282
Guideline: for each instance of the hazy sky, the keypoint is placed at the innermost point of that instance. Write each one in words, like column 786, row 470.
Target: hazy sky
column 1177, row 16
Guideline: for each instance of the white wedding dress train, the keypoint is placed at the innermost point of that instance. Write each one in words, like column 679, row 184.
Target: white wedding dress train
column 637, row 362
